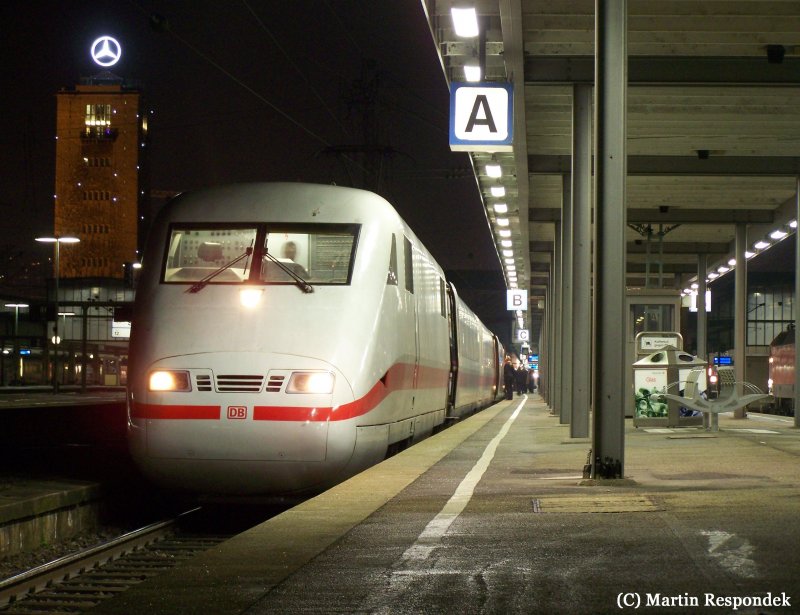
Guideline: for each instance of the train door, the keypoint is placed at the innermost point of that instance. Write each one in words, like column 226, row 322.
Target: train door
column 412, row 303
column 453, row 380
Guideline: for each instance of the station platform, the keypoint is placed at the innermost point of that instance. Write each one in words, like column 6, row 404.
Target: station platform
column 492, row 516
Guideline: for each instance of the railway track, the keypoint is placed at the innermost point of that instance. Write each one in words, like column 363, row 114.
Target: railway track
column 78, row 582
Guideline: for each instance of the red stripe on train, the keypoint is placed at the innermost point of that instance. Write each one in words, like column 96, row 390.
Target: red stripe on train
column 399, row 377
column 158, row 411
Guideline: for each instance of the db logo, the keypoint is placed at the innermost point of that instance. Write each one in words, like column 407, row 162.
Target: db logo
column 237, row 412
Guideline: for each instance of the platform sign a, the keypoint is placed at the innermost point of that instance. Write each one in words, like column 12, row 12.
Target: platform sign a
column 481, row 117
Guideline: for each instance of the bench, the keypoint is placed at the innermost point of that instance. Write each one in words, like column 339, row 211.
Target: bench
column 729, row 398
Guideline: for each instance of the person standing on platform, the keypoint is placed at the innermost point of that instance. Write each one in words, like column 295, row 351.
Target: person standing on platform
column 508, row 378
column 521, row 378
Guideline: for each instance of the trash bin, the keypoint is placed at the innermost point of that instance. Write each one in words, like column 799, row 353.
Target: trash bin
column 665, row 371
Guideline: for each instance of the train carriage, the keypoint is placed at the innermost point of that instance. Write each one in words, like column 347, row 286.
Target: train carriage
column 286, row 336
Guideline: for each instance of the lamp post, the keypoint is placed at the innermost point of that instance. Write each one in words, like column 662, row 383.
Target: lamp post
column 17, row 358
column 56, row 241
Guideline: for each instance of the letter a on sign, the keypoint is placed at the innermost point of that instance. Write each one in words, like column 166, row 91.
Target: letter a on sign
column 481, row 117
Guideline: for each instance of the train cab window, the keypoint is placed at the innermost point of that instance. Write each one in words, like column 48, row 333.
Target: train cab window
column 318, row 254
column 194, row 254
column 391, row 277
column 286, row 254
column 409, row 264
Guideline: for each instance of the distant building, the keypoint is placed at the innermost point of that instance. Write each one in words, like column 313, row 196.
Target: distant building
column 100, row 137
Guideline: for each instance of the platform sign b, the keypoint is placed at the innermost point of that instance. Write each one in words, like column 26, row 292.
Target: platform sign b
column 517, row 299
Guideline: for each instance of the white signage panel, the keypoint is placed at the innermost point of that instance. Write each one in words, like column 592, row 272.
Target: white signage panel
column 481, row 117
column 516, row 299
column 523, row 335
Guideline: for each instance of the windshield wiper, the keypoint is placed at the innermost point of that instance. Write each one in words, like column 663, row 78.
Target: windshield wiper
column 301, row 283
column 201, row 284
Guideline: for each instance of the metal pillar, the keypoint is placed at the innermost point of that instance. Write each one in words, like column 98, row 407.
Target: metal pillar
column 556, row 340
column 566, row 300
column 610, row 396
column 796, row 305
column 710, row 419
column 740, row 314
column 581, row 260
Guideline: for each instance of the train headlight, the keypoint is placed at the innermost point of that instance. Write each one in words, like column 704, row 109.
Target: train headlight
column 250, row 297
column 169, row 380
column 310, row 382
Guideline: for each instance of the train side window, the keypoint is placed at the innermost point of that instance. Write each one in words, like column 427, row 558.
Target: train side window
column 391, row 278
column 409, row 264
column 442, row 298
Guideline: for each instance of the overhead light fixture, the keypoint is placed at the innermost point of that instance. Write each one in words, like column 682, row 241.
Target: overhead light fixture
column 508, row 252
column 502, row 222
column 472, row 73
column 778, row 234
column 732, row 262
column 504, row 232
column 493, row 169
column 501, row 208
column 499, row 191
column 513, row 285
column 511, row 267
column 749, row 254
column 694, row 286
column 509, row 261
column 793, row 224
column 713, row 275
column 723, row 269
column 506, row 243
column 465, row 22
column 760, row 245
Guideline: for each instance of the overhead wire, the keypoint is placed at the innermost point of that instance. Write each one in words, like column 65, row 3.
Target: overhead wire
column 245, row 86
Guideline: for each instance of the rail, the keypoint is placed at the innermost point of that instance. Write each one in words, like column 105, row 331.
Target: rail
column 36, row 580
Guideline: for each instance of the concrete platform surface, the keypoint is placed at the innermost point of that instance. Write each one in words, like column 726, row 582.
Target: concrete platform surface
column 491, row 516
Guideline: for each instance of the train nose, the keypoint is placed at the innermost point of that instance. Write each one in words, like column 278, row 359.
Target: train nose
column 220, row 413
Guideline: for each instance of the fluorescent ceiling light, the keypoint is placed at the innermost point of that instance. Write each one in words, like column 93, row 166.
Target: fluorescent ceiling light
column 723, row 269
column 508, row 252
column 509, row 261
column 778, row 234
column 506, row 243
column 749, row 254
column 494, row 170
column 501, row 208
column 732, row 262
column 498, row 190
column 472, row 73
column 793, row 224
column 502, row 222
column 465, row 22
column 713, row 275
column 504, row 232
column 760, row 245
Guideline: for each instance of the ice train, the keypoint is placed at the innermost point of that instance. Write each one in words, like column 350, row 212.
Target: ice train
column 781, row 372
column 287, row 336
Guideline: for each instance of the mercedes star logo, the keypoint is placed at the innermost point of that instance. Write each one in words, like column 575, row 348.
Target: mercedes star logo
column 106, row 51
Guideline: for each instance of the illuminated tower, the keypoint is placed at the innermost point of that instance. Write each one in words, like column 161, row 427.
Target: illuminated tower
column 100, row 133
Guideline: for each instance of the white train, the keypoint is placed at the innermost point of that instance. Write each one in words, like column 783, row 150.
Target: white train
column 287, row 336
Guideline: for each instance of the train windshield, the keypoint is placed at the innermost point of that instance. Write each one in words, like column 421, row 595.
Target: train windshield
column 261, row 253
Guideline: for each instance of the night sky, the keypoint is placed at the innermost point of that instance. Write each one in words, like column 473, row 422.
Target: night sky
column 332, row 91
